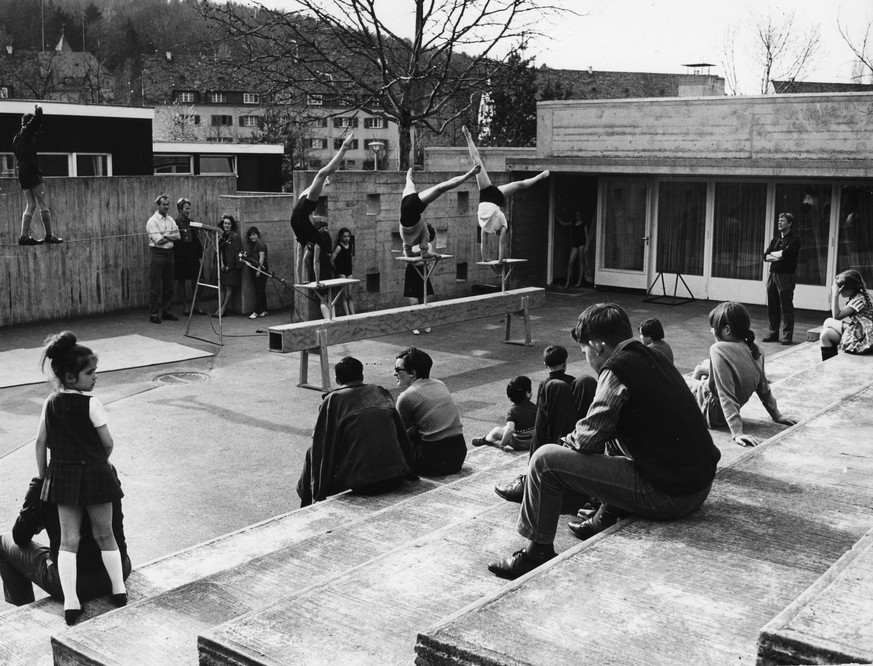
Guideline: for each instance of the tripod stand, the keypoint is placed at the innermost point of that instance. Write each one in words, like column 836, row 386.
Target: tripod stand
column 212, row 234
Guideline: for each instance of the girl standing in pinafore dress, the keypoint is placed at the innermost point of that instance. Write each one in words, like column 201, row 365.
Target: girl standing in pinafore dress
column 79, row 477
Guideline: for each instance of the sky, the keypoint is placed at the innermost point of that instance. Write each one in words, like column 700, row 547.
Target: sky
column 663, row 35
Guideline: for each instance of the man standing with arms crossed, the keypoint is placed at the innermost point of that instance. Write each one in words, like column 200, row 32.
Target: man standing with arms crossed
column 782, row 256
column 162, row 231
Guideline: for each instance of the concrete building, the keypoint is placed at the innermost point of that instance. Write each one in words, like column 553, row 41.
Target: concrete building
column 692, row 187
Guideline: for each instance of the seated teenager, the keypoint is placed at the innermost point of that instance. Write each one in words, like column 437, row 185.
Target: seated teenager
column 431, row 417
column 663, row 460
column 359, row 441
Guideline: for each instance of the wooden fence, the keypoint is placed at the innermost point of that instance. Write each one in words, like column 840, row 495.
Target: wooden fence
column 103, row 264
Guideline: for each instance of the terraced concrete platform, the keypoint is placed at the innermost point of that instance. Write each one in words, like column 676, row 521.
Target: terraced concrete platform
column 163, row 629
column 697, row 590
column 832, row 621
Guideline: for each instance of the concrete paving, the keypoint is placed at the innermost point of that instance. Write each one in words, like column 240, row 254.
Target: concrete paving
column 204, row 458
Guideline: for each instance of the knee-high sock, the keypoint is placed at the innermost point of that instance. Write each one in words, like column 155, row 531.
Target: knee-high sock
column 67, row 574
column 25, row 223
column 828, row 352
column 112, row 562
column 47, row 221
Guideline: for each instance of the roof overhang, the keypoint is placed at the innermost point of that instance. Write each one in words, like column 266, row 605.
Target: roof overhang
column 175, row 147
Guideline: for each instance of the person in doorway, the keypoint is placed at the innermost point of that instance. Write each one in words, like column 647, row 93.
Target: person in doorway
column 578, row 245
column 30, row 177
column 163, row 233
column 187, row 252
column 492, row 202
column 662, row 466
column 781, row 254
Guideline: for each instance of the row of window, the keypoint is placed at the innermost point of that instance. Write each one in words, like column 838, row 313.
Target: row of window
column 63, row 164
column 320, row 143
column 214, row 97
column 222, row 120
column 184, row 164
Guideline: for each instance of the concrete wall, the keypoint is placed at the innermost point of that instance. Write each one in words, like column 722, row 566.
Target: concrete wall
column 368, row 203
column 103, row 265
column 814, row 135
column 457, row 160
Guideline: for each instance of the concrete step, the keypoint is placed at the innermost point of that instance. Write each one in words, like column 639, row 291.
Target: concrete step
column 25, row 631
column 700, row 589
column 163, row 628
column 832, row 621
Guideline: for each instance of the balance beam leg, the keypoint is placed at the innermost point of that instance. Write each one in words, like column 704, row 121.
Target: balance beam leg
column 325, row 364
column 304, row 368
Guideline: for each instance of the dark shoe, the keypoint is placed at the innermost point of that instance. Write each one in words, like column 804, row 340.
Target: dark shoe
column 584, row 529
column 52, row 240
column 155, row 319
column 786, row 342
column 478, row 441
column 512, row 491
column 605, row 517
column 120, row 599
column 169, row 316
column 771, row 337
column 72, row 615
column 518, row 564
column 28, row 240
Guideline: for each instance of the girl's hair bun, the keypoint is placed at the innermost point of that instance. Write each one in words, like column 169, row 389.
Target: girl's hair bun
column 59, row 344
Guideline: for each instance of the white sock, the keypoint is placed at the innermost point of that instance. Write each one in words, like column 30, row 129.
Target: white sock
column 112, row 562
column 67, row 574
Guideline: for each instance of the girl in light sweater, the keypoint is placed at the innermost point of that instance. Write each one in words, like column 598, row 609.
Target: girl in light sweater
column 733, row 371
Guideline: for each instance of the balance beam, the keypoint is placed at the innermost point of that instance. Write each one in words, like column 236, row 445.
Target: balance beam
column 315, row 336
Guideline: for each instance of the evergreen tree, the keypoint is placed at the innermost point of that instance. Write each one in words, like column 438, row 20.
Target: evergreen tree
column 513, row 92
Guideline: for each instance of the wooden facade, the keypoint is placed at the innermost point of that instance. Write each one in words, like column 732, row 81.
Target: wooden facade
column 103, row 264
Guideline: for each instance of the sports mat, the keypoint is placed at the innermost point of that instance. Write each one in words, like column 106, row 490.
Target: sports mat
column 21, row 366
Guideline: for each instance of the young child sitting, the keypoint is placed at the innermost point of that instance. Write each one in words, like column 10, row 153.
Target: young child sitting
column 652, row 335
column 520, row 419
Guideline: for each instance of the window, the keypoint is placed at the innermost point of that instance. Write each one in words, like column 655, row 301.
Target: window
column 7, row 165
column 172, row 164
column 217, row 164
column 345, row 122
column 189, row 118
column 855, row 247
column 314, row 99
column 810, row 204
column 681, row 222
column 55, row 164
column 740, row 209
column 318, row 144
column 217, row 97
column 348, row 164
column 251, row 98
column 4, row 92
column 624, row 219
column 250, row 121
column 337, row 144
column 320, row 122
column 185, row 96
column 222, row 121
column 93, row 164
column 374, row 123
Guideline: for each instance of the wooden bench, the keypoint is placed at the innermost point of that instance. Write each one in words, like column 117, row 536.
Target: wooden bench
column 316, row 336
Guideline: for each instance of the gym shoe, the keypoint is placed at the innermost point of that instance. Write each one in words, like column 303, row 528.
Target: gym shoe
column 415, row 331
column 28, row 240
column 253, row 315
column 263, row 314
column 478, row 441
column 512, row 491
column 52, row 240
column 427, row 330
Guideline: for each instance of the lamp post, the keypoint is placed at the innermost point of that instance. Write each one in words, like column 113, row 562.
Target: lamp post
column 377, row 147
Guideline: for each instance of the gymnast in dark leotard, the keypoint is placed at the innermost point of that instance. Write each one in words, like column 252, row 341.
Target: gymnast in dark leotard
column 413, row 230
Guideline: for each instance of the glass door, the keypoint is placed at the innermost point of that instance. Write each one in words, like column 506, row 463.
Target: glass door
column 623, row 236
column 679, row 238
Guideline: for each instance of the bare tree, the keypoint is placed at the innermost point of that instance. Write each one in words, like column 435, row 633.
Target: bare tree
column 781, row 49
column 861, row 47
column 345, row 50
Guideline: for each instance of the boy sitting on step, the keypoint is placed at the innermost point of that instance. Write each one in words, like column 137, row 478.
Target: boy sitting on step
column 520, row 419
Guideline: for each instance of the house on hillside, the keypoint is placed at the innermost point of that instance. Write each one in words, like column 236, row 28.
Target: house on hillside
column 60, row 75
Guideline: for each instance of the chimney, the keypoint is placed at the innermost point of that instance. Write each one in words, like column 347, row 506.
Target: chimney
column 590, row 69
column 168, row 55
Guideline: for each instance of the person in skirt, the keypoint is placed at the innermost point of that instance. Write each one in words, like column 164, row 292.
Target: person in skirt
column 79, row 477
